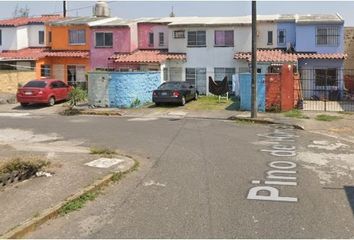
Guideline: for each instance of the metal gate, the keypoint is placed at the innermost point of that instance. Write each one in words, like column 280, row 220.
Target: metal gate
column 327, row 89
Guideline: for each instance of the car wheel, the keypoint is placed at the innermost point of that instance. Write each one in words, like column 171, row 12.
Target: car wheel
column 183, row 101
column 51, row 101
column 24, row 104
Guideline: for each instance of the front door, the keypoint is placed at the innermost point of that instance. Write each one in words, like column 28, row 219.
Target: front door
column 71, row 75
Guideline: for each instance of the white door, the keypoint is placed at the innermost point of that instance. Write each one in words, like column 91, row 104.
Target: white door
column 58, row 71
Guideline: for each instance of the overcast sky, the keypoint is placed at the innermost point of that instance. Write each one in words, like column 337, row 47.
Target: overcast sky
column 134, row 9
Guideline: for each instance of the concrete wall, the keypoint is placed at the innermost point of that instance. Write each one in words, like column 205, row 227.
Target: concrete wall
column 33, row 35
column 349, row 47
column 245, row 92
column 121, row 43
column 143, row 35
column 133, row 36
column 306, row 40
column 22, row 37
column 9, row 39
column 121, row 89
column 290, row 33
column 9, row 80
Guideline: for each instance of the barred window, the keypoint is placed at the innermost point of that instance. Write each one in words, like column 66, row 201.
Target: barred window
column 327, row 36
column 178, row 34
column 326, row 77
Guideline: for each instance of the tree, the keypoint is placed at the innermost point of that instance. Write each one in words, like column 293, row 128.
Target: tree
column 20, row 12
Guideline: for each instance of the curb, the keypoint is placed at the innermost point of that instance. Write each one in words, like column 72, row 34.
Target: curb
column 265, row 121
column 32, row 224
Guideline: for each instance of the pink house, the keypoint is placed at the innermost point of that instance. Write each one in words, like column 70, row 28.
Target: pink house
column 153, row 33
column 110, row 37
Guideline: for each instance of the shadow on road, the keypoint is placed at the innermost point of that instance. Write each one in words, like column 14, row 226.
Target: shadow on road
column 349, row 191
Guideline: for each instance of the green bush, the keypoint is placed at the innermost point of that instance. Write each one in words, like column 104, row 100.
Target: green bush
column 135, row 103
column 77, row 95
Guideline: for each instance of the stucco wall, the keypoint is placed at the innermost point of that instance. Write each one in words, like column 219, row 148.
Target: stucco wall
column 121, row 43
column 306, row 40
column 9, row 39
column 22, row 37
column 121, row 89
column 290, row 34
column 9, row 80
column 143, row 35
column 60, row 37
column 33, row 35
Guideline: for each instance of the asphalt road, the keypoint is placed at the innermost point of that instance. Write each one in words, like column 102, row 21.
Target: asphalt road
column 195, row 177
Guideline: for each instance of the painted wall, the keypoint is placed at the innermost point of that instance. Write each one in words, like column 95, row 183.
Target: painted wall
column 60, row 37
column 33, row 35
column 121, row 89
column 61, row 61
column 121, row 43
column 306, row 40
column 22, row 37
column 290, row 33
column 133, row 36
column 143, row 35
column 9, row 39
column 245, row 91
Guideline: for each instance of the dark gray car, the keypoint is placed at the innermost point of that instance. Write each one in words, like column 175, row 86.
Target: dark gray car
column 174, row 92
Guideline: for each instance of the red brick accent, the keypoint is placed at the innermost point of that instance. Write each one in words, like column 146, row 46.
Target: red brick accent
column 273, row 100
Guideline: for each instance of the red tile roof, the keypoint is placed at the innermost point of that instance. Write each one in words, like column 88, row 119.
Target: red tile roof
column 23, row 54
column 20, row 21
column 147, row 56
column 281, row 56
column 73, row 54
column 36, row 53
column 268, row 56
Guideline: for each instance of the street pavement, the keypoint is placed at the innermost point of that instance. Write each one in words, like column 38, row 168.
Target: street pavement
column 198, row 178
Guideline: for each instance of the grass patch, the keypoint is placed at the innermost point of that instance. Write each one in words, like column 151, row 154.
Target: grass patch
column 244, row 121
column 295, row 113
column 346, row 113
column 77, row 203
column 23, row 165
column 102, row 151
column 212, row 103
column 116, row 177
column 327, row 118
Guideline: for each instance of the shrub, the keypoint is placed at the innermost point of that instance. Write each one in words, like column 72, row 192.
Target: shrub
column 77, row 95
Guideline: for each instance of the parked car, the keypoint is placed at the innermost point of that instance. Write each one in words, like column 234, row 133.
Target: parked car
column 47, row 91
column 174, row 92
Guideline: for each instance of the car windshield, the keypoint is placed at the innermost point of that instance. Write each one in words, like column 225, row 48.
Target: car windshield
column 170, row 86
column 36, row 84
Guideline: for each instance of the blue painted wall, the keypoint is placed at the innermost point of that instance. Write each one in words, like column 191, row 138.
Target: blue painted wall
column 125, row 87
column 290, row 34
column 306, row 40
column 245, row 91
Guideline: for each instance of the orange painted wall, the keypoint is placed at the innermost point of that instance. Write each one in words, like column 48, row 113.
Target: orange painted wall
column 60, row 37
column 62, row 60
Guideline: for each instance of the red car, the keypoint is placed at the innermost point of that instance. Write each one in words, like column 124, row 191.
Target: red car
column 47, row 91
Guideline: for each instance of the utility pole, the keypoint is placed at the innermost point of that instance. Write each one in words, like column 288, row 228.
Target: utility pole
column 254, row 61
column 64, row 8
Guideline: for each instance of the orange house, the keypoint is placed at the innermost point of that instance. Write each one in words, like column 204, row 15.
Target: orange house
column 67, row 57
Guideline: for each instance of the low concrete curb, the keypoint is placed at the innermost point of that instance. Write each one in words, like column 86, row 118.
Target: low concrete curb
column 51, row 213
column 264, row 121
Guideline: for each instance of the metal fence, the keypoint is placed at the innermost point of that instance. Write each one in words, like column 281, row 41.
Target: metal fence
column 327, row 89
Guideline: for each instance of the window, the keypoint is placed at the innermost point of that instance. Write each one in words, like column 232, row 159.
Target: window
column 165, row 74
column 197, row 76
column 178, row 34
column 151, row 39
column 0, row 37
column 104, row 39
column 327, row 36
column 220, row 73
column 196, row 39
column 40, row 37
column 77, row 37
column 270, row 38
column 224, row 38
column 326, row 77
column 281, row 37
column 45, row 70
column 161, row 39
column 50, row 37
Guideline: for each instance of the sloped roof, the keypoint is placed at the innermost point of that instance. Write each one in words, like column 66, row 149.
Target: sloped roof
column 281, row 56
column 147, row 56
column 15, row 22
column 36, row 53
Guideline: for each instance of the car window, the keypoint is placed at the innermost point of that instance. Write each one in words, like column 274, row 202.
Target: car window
column 54, row 85
column 61, row 84
column 36, row 84
column 170, row 86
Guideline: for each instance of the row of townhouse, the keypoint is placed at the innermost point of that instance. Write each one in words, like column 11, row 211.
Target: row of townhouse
column 182, row 48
